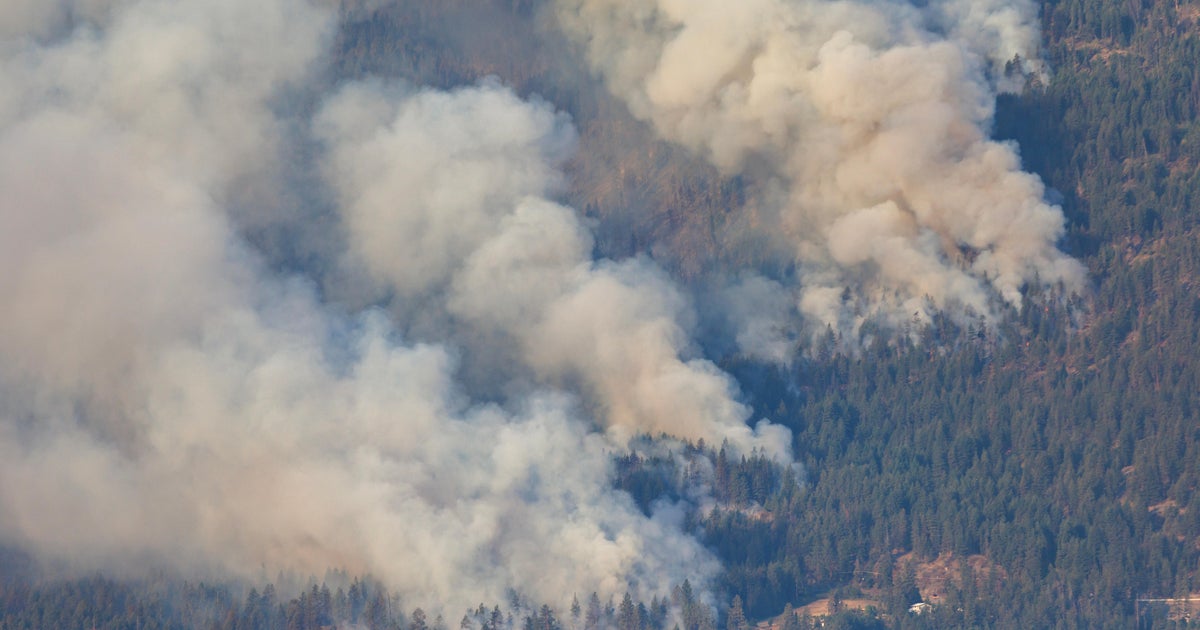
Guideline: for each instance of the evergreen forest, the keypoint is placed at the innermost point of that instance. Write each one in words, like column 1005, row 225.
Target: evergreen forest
column 1036, row 472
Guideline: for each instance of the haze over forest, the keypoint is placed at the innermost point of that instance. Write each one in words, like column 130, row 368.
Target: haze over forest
column 615, row 313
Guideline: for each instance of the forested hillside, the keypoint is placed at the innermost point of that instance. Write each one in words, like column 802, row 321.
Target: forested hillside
column 1063, row 451
column 1036, row 472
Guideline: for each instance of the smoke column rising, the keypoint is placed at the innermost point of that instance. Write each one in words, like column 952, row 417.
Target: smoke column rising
column 865, row 124
column 463, row 176
column 201, row 411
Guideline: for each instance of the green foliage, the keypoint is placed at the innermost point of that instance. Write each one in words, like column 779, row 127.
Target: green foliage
column 361, row 603
column 1062, row 445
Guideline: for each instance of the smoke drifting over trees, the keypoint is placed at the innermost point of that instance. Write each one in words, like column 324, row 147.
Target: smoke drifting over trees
column 437, row 398
column 866, row 125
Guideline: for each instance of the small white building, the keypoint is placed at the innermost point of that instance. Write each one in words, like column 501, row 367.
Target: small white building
column 920, row 608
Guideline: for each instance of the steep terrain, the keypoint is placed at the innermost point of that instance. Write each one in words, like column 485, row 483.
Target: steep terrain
column 1039, row 470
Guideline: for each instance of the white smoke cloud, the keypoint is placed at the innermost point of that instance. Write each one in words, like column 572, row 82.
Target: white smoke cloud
column 517, row 265
column 873, row 116
column 194, row 408
column 117, row 143
column 198, row 409
column 757, row 315
column 425, row 178
column 256, row 450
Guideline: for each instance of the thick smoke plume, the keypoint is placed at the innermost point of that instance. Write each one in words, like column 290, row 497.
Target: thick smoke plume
column 866, row 126
column 460, row 180
column 434, row 394
column 170, row 398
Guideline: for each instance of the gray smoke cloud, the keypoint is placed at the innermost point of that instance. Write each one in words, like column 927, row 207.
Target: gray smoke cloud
column 438, row 401
column 460, row 179
column 169, row 399
column 866, row 126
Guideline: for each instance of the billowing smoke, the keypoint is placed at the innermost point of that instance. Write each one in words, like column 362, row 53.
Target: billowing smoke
column 444, row 194
column 865, row 125
column 434, row 394
column 170, row 398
